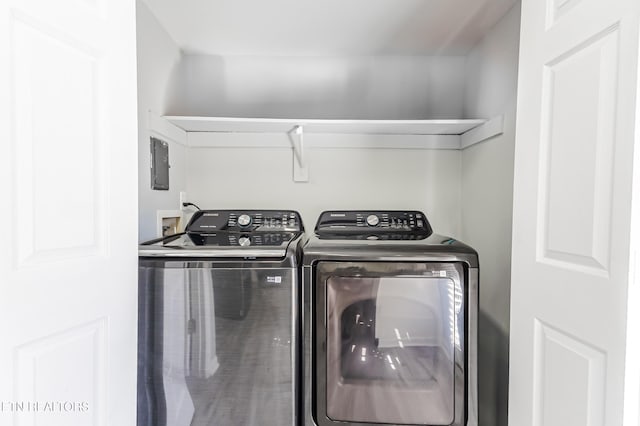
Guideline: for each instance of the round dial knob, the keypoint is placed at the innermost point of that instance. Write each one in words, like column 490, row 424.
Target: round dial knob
column 373, row 220
column 244, row 220
column 244, row 241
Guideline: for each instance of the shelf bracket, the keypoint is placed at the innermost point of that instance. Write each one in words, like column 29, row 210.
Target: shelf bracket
column 300, row 169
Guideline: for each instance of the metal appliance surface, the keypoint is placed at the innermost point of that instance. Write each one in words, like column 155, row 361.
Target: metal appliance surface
column 218, row 321
column 390, row 322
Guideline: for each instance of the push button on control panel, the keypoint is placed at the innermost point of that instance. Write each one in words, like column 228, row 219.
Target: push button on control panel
column 244, row 220
column 373, row 220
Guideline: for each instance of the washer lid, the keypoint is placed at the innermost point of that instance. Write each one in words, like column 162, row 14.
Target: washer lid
column 222, row 244
column 231, row 233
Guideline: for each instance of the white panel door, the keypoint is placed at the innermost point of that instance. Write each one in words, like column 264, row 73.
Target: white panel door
column 575, row 138
column 68, row 273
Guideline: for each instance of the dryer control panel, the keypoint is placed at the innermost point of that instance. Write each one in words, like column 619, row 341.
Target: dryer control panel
column 376, row 222
column 210, row 221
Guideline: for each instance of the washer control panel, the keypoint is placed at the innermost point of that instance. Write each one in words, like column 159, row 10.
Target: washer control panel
column 228, row 239
column 368, row 222
column 207, row 221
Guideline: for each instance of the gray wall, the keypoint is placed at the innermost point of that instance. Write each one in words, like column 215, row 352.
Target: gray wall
column 158, row 57
column 400, row 87
column 428, row 180
column 390, row 87
column 487, row 198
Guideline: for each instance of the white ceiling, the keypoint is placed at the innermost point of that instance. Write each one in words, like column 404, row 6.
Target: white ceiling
column 328, row 27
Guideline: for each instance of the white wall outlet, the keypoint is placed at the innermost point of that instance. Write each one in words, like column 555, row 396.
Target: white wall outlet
column 183, row 199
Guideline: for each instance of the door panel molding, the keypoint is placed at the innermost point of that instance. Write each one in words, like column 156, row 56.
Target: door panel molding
column 578, row 134
column 37, row 367
column 558, row 355
column 557, row 8
column 43, row 211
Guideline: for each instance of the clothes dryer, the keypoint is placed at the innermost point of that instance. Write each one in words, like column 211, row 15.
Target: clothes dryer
column 390, row 317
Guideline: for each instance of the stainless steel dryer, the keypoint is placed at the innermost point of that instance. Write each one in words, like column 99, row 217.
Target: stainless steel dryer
column 390, row 313
column 218, row 321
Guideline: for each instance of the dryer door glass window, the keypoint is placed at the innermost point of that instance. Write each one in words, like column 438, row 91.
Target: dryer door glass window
column 390, row 349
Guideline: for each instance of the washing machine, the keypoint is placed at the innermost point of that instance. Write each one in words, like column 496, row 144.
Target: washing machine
column 219, row 321
column 390, row 322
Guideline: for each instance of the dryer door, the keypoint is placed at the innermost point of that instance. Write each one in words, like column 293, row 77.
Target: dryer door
column 390, row 343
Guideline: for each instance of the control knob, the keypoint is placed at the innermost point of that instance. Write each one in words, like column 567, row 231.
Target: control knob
column 244, row 241
column 373, row 220
column 244, row 220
